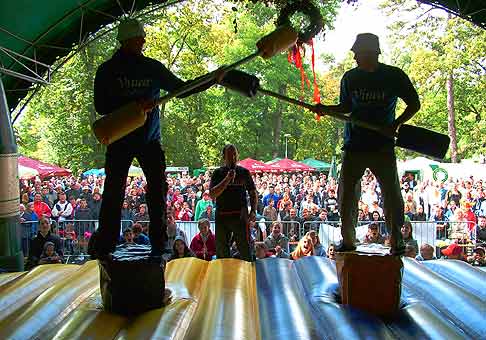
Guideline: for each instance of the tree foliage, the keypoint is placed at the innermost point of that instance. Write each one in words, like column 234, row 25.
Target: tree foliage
column 431, row 46
column 191, row 39
column 194, row 37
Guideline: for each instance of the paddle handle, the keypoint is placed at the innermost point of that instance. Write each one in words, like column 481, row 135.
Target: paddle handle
column 310, row 107
column 205, row 79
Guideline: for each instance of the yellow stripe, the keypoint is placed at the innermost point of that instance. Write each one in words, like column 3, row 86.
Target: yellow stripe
column 227, row 309
column 61, row 294
column 211, row 300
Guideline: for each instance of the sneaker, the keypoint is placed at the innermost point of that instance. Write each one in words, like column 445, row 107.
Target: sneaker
column 167, row 297
column 101, row 257
column 340, row 248
column 398, row 251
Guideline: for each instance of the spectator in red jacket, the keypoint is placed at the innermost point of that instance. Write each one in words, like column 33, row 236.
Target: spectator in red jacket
column 203, row 245
column 41, row 208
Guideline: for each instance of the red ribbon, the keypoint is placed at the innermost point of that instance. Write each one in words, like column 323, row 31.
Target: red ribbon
column 295, row 57
column 317, row 95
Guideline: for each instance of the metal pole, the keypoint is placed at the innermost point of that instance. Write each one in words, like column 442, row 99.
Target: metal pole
column 11, row 257
column 287, row 135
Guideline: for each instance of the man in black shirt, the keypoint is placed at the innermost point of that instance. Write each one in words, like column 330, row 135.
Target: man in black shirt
column 229, row 187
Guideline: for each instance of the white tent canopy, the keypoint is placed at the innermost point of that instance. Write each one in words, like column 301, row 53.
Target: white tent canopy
column 433, row 170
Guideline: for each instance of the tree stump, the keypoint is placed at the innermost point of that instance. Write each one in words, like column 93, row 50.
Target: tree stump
column 132, row 282
column 370, row 281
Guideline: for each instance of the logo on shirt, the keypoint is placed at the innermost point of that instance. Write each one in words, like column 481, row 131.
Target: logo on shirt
column 126, row 83
column 369, row 96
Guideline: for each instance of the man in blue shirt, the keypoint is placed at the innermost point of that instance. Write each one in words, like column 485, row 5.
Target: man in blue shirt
column 271, row 195
column 130, row 76
column 369, row 93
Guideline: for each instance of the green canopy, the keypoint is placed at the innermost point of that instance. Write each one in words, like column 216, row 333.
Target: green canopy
column 34, row 34
column 333, row 172
column 319, row 165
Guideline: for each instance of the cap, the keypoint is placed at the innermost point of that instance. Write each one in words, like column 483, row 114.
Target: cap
column 479, row 250
column 366, row 42
column 130, row 28
column 452, row 249
column 86, row 187
column 180, row 238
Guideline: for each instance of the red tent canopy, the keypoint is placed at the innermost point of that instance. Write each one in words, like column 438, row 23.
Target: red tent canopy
column 44, row 169
column 254, row 165
column 288, row 165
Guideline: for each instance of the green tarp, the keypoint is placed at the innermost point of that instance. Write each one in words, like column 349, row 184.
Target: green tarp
column 319, row 165
column 46, row 30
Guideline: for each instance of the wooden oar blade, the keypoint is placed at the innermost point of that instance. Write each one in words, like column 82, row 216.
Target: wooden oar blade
column 423, row 141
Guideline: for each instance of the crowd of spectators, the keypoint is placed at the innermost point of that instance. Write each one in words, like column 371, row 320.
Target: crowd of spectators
column 292, row 206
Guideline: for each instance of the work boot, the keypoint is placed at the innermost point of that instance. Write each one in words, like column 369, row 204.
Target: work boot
column 343, row 247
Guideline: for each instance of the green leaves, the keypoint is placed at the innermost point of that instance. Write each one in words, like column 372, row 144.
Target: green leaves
column 190, row 38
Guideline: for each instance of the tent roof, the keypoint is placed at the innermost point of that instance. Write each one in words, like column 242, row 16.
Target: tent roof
column 276, row 159
column 253, row 165
column 320, row 165
column 44, row 169
column 44, row 31
column 289, row 165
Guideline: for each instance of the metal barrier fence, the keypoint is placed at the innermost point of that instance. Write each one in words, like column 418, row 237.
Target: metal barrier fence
column 422, row 231
column 292, row 229
column 75, row 234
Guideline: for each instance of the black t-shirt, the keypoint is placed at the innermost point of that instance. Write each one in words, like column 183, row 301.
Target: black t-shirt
column 233, row 198
column 372, row 97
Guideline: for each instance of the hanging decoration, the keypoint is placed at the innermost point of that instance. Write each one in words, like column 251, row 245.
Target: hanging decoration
column 306, row 18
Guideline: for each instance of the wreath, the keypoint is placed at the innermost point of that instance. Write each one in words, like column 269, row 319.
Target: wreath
column 309, row 10
column 437, row 171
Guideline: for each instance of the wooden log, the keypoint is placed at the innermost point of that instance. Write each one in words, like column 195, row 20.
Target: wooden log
column 370, row 282
column 132, row 282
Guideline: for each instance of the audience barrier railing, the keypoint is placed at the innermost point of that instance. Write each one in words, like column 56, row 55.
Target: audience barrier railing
column 190, row 228
column 75, row 234
column 291, row 229
column 423, row 232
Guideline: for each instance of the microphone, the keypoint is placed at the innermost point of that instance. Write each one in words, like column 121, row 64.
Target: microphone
column 232, row 167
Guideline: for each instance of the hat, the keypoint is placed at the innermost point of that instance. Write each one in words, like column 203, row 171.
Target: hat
column 479, row 250
column 180, row 238
column 130, row 28
column 86, row 187
column 47, row 244
column 366, row 42
column 452, row 249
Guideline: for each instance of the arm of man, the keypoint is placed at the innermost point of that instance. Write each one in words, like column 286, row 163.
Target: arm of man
column 217, row 189
column 252, row 193
column 407, row 92
column 172, row 82
column 253, row 203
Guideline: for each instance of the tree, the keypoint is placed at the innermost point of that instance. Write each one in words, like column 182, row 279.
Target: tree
column 190, row 38
column 445, row 58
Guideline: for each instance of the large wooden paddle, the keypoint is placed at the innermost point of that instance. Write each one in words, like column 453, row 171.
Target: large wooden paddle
column 131, row 116
column 409, row 137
